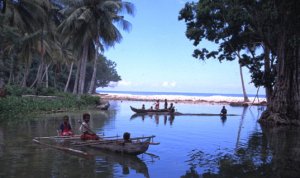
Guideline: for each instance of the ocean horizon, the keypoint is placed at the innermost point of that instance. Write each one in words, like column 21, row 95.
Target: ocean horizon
column 151, row 93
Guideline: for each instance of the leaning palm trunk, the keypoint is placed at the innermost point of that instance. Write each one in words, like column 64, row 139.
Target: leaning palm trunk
column 246, row 99
column 91, row 89
column 69, row 78
column 267, row 74
column 11, row 70
column 75, row 89
column 82, row 70
column 38, row 78
column 284, row 106
column 26, row 73
column 47, row 76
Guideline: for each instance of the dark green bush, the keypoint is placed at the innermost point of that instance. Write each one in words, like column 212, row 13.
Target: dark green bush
column 17, row 106
column 13, row 90
column 46, row 91
column 90, row 100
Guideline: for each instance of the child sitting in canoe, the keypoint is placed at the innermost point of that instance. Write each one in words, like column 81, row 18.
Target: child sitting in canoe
column 65, row 128
column 87, row 133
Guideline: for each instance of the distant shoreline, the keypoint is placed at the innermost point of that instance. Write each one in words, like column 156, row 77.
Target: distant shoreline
column 232, row 100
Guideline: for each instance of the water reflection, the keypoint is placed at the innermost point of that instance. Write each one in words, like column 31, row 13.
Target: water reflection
column 20, row 157
column 165, row 117
column 274, row 154
column 223, row 119
column 193, row 147
column 126, row 163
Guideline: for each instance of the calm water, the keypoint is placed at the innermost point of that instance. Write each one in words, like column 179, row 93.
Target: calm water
column 190, row 146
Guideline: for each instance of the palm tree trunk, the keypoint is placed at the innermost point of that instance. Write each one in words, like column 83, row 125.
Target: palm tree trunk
column 246, row 99
column 91, row 89
column 38, row 75
column 11, row 70
column 26, row 73
column 83, row 69
column 47, row 76
column 267, row 73
column 75, row 89
column 69, row 78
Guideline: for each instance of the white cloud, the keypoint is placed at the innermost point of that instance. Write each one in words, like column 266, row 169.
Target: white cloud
column 168, row 84
column 125, row 83
column 121, row 83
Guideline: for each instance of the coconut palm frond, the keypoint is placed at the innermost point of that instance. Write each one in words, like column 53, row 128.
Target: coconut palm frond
column 124, row 24
column 86, row 16
column 129, row 8
column 111, row 5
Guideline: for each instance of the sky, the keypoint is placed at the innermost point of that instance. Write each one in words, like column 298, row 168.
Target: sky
column 155, row 55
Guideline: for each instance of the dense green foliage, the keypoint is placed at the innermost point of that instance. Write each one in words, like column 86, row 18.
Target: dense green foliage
column 59, row 43
column 264, row 35
column 240, row 29
column 14, row 106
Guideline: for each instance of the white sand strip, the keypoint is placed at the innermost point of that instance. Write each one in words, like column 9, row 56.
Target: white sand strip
column 181, row 98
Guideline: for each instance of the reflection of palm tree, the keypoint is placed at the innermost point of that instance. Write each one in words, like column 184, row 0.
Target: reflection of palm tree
column 246, row 163
column 240, row 127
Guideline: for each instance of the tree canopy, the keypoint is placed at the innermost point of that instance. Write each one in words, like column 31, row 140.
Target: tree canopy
column 263, row 35
column 51, row 43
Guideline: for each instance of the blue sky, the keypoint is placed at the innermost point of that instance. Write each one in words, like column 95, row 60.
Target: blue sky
column 156, row 56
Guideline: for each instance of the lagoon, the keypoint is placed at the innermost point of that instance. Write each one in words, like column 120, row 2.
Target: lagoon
column 190, row 146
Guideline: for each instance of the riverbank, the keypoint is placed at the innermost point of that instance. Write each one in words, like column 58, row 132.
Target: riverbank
column 227, row 100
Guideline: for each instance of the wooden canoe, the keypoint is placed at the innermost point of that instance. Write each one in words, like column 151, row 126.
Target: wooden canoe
column 138, row 145
column 149, row 111
column 131, row 148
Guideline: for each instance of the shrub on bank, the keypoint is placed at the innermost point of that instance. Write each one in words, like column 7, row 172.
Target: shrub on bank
column 16, row 105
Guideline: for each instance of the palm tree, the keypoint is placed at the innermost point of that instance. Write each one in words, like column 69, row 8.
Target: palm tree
column 26, row 16
column 92, row 22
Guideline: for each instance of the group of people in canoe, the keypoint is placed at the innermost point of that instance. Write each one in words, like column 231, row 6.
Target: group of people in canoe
column 86, row 133
column 156, row 106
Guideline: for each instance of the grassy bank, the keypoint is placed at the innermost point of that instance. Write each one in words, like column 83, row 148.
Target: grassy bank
column 15, row 104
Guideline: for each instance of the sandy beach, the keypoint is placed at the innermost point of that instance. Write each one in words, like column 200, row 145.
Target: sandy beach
column 185, row 99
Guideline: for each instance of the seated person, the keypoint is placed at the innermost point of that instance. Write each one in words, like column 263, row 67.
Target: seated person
column 65, row 128
column 87, row 133
column 223, row 111
column 172, row 108
column 126, row 137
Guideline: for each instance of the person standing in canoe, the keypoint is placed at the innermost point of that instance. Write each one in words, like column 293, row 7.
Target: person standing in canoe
column 166, row 104
column 156, row 105
column 87, row 133
column 65, row 128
